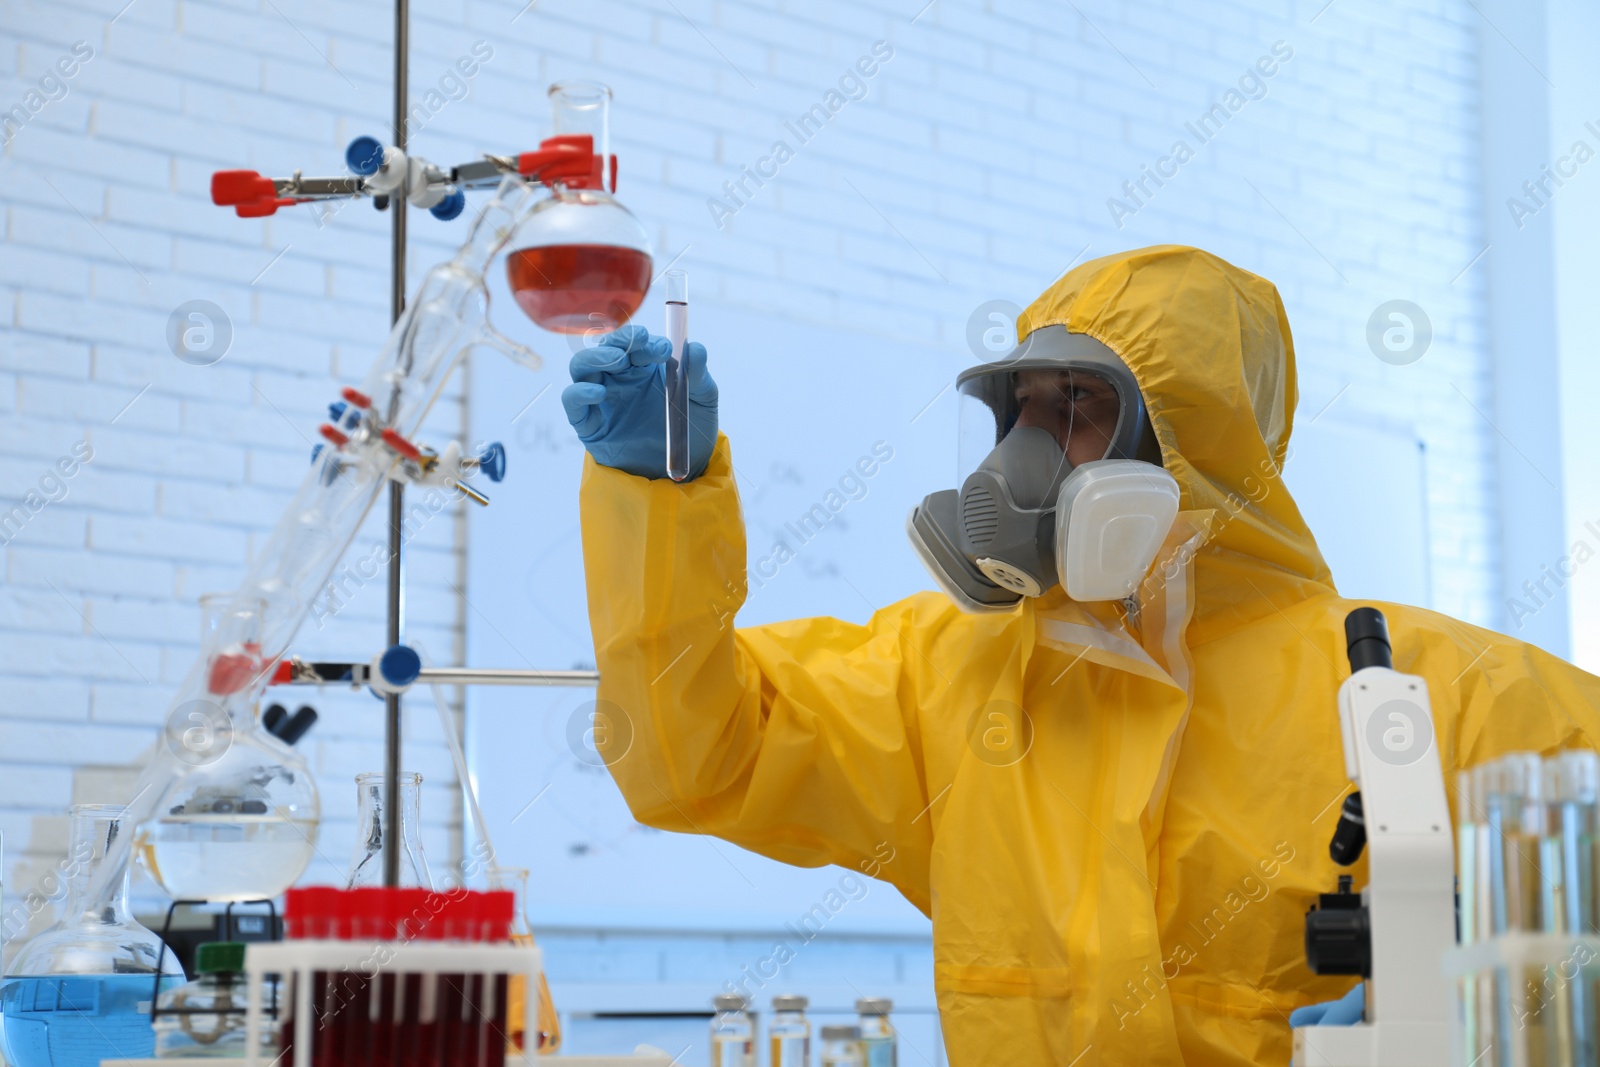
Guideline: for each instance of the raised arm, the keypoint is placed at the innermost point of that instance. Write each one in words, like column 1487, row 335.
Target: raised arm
column 801, row 741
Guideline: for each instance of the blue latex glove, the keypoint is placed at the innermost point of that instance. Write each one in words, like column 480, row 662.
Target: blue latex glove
column 618, row 403
column 1346, row 1011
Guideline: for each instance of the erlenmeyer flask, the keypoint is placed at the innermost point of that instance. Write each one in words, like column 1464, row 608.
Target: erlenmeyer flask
column 516, row 880
column 581, row 262
column 366, row 862
column 80, row 992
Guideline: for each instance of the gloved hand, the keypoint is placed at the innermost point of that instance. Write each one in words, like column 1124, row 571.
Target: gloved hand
column 618, row 403
column 1346, row 1011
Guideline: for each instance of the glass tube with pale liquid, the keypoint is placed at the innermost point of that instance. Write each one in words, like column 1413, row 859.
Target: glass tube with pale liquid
column 677, row 375
column 1575, row 805
column 1524, row 882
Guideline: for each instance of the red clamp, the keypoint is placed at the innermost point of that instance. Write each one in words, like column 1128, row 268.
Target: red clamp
column 356, row 397
column 283, row 673
column 337, row 439
column 401, row 445
column 249, row 194
column 569, row 159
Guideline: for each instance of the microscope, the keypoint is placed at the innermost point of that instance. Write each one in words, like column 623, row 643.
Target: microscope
column 1396, row 931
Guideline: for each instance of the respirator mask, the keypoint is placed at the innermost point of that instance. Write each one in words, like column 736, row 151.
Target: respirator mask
column 1026, row 516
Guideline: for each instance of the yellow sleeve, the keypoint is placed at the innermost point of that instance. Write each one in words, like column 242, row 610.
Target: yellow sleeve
column 1494, row 694
column 800, row 741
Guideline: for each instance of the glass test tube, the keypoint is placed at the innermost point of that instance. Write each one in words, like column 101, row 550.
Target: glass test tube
column 1526, row 1026
column 677, row 375
column 1576, row 801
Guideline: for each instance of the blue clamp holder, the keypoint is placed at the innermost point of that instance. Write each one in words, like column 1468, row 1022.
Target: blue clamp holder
column 492, row 461
column 364, row 156
column 398, row 667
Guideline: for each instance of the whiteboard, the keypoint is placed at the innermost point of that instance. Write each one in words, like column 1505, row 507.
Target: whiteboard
column 801, row 403
column 1363, row 492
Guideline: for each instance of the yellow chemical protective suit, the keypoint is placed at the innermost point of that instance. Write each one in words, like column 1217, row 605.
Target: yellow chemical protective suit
column 1115, row 820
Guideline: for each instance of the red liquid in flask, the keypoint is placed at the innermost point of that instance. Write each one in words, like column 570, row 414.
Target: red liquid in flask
column 578, row 288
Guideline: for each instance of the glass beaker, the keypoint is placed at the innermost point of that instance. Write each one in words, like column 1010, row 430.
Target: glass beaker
column 80, row 992
column 366, row 862
column 241, row 822
column 581, row 262
column 515, row 879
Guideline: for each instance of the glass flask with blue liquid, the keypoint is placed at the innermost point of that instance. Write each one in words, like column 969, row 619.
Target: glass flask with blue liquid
column 80, row 992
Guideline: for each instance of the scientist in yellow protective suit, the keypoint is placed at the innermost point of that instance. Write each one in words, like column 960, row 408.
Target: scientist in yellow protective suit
column 1106, row 760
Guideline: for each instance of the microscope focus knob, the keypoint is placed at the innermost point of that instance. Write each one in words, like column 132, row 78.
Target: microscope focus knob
column 1350, row 835
column 1339, row 934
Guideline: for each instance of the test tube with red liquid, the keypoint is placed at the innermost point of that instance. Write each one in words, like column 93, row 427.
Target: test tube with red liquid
column 379, row 1015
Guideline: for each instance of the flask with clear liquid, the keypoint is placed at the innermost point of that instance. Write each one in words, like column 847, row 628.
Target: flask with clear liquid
column 80, row 992
column 240, row 822
column 366, row 862
column 733, row 1034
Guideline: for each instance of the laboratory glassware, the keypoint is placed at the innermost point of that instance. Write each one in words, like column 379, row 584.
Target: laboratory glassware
column 206, row 1017
column 394, row 1008
column 515, row 880
column 1523, row 885
column 1474, row 908
column 581, row 262
column 366, row 862
column 242, row 823
column 447, row 316
column 841, row 1046
column 80, row 991
column 677, row 372
column 233, row 631
column 733, row 1033
column 1571, row 781
column 877, row 1035
column 1516, row 823
column 790, row 1032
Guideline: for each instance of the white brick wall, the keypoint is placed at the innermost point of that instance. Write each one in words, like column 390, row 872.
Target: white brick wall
column 979, row 165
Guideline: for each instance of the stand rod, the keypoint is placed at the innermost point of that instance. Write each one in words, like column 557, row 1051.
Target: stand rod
column 396, row 608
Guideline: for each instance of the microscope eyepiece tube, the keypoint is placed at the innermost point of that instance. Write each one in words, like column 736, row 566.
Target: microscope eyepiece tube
column 1366, row 637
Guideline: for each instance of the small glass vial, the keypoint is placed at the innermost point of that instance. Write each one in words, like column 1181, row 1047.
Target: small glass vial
column 877, row 1036
column 733, row 1035
column 841, row 1046
column 205, row 1018
column 790, row 1032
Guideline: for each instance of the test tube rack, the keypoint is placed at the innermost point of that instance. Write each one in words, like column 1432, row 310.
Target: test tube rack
column 298, row 962
column 1541, row 990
